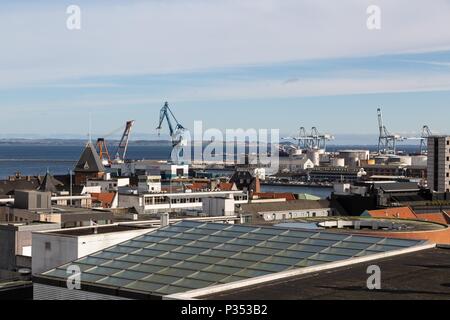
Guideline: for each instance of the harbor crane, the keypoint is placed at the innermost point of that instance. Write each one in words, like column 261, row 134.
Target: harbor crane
column 387, row 142
column 426, row 132
column 311, row 141
column 178, row 133
column 103, row 152
column 122, row 148
column 123, row 144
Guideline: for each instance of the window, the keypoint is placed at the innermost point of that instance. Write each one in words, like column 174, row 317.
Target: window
column 48, row 246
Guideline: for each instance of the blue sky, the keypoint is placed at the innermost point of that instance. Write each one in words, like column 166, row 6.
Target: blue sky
column 249, row 64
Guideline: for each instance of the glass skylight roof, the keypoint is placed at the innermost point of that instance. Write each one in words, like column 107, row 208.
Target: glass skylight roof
column 191, row 255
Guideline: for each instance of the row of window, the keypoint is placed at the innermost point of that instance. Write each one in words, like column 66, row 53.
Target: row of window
column 164, row 200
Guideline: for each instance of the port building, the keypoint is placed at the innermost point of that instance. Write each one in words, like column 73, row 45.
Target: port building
column 439, row 163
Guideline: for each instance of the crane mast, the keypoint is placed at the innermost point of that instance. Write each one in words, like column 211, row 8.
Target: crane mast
column 426, row 132
column 177, row 133
column 103, row 151
column 387, row 142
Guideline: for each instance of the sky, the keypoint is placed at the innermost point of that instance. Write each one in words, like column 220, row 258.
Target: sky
column 229, row 63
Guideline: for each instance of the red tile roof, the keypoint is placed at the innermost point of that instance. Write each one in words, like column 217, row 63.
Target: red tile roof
column 106, row 198
column 275, row 195
column 438, row 217
column 408, row 213
column 400, row 213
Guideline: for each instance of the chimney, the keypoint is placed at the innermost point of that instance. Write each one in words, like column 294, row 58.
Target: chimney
column 164, row 219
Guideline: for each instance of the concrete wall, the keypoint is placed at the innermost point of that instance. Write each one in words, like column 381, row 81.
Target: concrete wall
column 293, row 214
column 96, row 242
column 51, row 250
column 218, row 206
column 32, row 200
column 46, row 292
column 7, row 249
column 16, row 240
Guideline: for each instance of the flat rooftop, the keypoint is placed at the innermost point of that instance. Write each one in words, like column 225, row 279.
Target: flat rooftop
column 382, row 224
column 422, row 275
column 94, row 230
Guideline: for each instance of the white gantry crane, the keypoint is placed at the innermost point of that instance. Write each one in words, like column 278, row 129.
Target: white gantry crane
column 426, row 132
column 178, row 134
column 387, row 142
column 311, row 141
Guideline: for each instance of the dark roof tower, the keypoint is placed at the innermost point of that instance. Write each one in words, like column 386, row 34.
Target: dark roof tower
column 89, row 161
column 49, row 184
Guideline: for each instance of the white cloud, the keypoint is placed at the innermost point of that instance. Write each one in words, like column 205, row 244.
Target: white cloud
column 161, row 36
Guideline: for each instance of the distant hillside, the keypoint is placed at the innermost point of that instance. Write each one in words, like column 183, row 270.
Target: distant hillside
column 78, row 142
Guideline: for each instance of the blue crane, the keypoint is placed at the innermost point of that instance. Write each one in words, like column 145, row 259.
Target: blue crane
column 177, row 133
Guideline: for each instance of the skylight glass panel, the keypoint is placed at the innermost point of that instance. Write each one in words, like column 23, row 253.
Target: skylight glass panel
column 115, row 282
column 162, row 246
column 299, row 234
column 329, row 257
column 130, row 274
column 256, row 236
column 147, row 268
column 193, row 283
column 176, row 255
column 117, row 264
column 176, row 272
column 341, row 251
column 399, row 242
column 187, row 236
column 294, row 254
column 190, row 250
column 162, row 262
column 282, row 260
column 352, row 245
column 232, row 262
column 207, row 258
column 271, row 267
column 318, row 242
column 364, row 239
column 192, row 265
column 330, row 236
column 133, row 258
column 223, row 269
column 208, row 276
column 248, row 273
column 102, row 271
column 144, row 286
column 107, row 255
column 262, row 250
column 149, row 252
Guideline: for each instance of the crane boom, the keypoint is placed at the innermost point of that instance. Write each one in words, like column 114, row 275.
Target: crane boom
column 380, row 122
column 123, row 145
column 178, row 133
column 166, row 113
